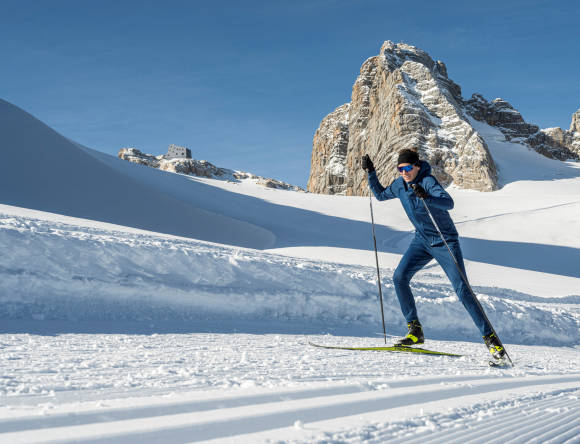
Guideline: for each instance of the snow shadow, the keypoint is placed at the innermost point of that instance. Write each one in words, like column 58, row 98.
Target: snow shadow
column 295, row 227
column 553, row 259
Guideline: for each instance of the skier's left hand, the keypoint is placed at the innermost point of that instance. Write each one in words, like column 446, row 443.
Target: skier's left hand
column 420, row 191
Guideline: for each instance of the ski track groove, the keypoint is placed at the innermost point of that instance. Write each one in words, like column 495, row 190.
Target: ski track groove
column 448, row 436
column 548, row 427
column 67, row 419
column 538, row 423
column 504, row 427
column 553, row 433
column 572, row 433
column 460, row 435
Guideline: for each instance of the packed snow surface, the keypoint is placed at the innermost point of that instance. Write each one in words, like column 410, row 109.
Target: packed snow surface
column 143, row 306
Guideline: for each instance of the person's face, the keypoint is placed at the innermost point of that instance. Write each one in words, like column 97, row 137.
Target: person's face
column 408, row 176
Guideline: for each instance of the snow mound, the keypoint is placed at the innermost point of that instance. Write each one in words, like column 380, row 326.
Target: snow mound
column 100, row 274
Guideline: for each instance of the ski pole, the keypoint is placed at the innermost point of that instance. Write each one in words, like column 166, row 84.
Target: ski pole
column 463, row 276
column 378, row 271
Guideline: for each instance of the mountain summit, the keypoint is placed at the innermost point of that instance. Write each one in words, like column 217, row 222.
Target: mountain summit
column 405, row 99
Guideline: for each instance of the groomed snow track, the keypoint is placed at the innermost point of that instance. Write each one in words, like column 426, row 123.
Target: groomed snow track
column 479, row 409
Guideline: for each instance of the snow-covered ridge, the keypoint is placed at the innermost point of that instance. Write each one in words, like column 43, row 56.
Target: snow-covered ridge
column 43, row 170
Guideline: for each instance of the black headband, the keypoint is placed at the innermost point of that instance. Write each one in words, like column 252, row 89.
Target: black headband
column 408, row 156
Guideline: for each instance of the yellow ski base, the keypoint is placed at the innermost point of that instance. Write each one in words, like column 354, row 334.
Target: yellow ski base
column 396, row 348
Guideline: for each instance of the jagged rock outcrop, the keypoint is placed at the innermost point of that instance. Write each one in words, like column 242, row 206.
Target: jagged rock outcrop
column 404, row 99
column 558, row 143
column 200, row 168
column 501, row 114
column 555, row 143
column 401, row 99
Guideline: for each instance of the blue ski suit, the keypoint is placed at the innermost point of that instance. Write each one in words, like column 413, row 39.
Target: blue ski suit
column 427, row 243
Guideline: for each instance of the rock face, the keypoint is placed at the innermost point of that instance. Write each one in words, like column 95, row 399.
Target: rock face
column 405, row 99
column 501, row 114
column 558, row 143
column 575, row 125
column 401, row 99
column 555, row 143
column 200, row 168
column 328, row 164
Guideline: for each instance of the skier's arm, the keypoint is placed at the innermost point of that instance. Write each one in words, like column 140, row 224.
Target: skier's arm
column 438, row 197
column 380, row 192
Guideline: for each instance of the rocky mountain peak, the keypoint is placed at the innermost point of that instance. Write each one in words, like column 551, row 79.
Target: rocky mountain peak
column 397, row 54
column 403, row 98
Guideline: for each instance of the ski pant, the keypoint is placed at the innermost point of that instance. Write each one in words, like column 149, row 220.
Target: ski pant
column 416, row 257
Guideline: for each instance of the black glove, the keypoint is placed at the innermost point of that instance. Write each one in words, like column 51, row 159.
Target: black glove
column 367, row 164
column 420, row 191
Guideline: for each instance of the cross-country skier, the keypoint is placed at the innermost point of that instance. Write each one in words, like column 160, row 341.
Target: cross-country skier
column 416, row 183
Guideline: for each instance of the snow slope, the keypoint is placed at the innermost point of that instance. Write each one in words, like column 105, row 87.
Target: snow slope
column 41, row 169
column 143, row 306
column 45, row 171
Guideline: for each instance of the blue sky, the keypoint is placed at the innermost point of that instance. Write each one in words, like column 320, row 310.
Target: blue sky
column 245, row 84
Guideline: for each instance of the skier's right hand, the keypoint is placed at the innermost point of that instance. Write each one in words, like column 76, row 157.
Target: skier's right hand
column 367, row 164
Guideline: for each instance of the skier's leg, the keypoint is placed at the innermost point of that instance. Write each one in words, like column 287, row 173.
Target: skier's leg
column 441, row 254
column 415, row 258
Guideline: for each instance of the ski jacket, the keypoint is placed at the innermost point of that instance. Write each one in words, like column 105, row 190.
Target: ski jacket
column 438, row 201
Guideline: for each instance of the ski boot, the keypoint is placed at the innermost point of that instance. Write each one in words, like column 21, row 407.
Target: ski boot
column 415, row 335
column 494, row 346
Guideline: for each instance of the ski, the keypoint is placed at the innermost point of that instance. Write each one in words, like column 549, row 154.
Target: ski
column 395, row 348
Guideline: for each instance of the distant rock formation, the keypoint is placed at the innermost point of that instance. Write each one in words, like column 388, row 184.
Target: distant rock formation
column 401, row 99
column 200, row 168
column 558, row 143
column 501, row 114
column 555, row 143
column 405, row 99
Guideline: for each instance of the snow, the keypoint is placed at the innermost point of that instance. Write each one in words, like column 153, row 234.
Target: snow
column 43, row 170
column 254, row 388
column 141, row 305
column 94, row 274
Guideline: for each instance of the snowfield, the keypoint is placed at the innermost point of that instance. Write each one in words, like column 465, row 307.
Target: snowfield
column 143, row 306
column 235, row 387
